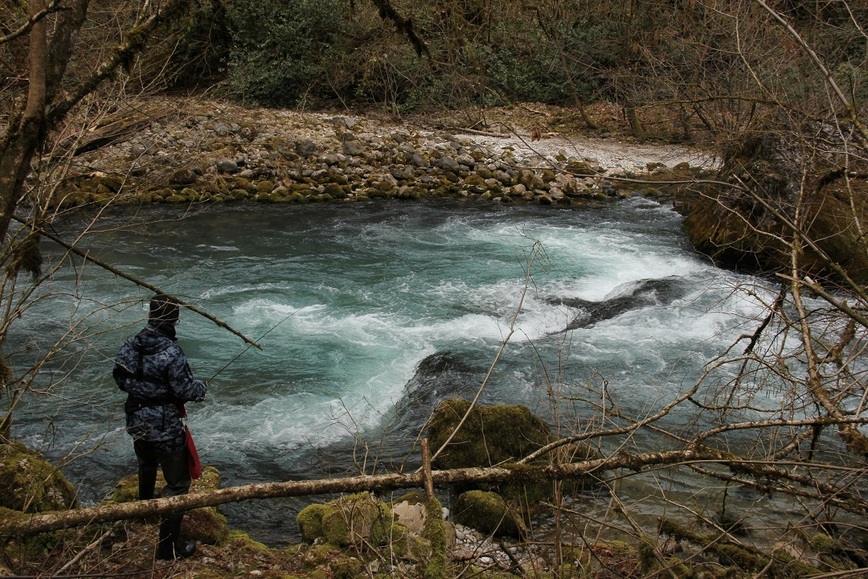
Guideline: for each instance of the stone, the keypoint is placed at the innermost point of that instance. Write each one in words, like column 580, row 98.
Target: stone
column 489, row 513
column 332, row 159
column 403, row 173
column 411, row 515
column 354, row 148
column 418, row 160
column 227, row 166
column 31, row 484
column 305, row 148
column 467, row 161
column 448, row 164
column 183, row 176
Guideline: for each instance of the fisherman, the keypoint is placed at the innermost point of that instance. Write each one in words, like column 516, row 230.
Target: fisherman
column 153, row 370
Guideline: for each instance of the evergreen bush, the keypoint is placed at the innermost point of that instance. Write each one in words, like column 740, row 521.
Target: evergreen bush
column 281, row 50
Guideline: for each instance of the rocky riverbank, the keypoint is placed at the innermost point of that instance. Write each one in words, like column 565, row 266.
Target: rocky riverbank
column 192, row 151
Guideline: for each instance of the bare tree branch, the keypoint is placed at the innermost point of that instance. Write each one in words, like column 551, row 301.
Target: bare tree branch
column 85, row 255
column 31, row 21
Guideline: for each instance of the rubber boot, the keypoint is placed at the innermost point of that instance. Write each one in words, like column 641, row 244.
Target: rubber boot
column 147, row 483
column 170, row 545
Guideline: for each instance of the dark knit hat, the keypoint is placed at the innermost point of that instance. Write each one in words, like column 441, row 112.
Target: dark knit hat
column 164, row 309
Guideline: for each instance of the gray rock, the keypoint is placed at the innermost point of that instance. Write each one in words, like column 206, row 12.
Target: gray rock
column 227, row 166
column 405, row 172
column 466, row 160
column 448, row 163
column 503, row 177
column 306, row 148
column 331, row 159
column 418, row 160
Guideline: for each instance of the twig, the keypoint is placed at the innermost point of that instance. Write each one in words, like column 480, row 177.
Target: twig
column 87, row 549
column 83, row 254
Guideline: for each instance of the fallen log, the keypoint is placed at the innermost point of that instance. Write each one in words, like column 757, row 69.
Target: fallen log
column 22, row 524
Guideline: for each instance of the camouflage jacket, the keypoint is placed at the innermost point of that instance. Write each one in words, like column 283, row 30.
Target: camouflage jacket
column 153, row 370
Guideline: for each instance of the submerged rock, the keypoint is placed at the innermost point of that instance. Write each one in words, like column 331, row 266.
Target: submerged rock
column 629, row 296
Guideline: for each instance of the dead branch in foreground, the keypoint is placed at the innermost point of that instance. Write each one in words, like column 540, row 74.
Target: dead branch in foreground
column 28, row 524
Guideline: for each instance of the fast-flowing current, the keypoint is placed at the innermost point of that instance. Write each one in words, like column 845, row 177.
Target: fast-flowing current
column 367, row 316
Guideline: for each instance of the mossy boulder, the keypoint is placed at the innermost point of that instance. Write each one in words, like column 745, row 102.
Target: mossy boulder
column 489, row 513
column 498, row 435
column 363, row 521
column 350, row 520
column 739, row 229
column 30, row 484
column 491, row 435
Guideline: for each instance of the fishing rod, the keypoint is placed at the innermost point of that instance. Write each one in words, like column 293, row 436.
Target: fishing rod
column 255, row 343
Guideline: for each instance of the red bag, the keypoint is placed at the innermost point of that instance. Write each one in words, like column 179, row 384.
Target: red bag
column 193, row 462
column 192, row 455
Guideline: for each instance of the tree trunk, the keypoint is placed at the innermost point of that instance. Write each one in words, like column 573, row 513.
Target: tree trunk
column 26, row 134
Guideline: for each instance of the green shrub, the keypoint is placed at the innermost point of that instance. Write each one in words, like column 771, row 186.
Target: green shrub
column 281, row 49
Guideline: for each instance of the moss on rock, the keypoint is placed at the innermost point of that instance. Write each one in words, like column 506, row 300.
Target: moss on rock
column 491, row 435
column 488, row 512
column 309, row 521
column 350, row 520
column 30, row 484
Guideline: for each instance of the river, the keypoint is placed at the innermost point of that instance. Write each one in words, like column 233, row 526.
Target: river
column 346, row 301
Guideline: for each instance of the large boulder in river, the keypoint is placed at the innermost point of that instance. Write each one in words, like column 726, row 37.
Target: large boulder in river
column 496, row 435
column 491, row 435
column 746, row 226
